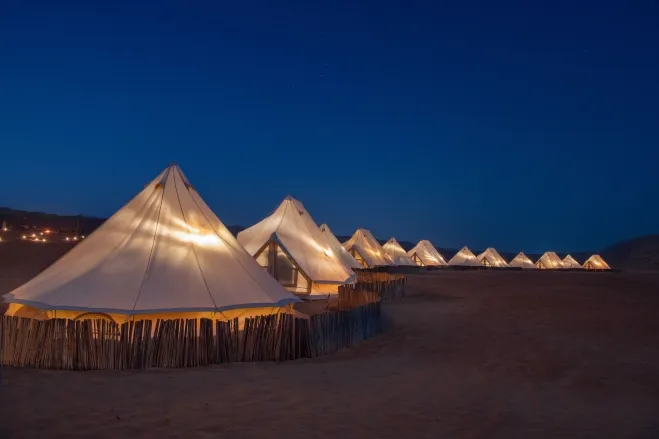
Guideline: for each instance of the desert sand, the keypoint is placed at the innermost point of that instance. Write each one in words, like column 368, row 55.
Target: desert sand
column 466, row 355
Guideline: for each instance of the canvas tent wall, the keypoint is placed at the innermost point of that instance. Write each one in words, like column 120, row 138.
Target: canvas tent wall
column 595, row 262
column 549, row 261
column 292, row 248
column 163, row 255
column 522, row 261
column 397, row 253
column 367, row 250
column 492, row 258
column 426, row 255
column 465, row 258
column 570, row 262
column 348, row 259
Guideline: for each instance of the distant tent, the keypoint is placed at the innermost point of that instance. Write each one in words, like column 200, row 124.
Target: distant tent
column 397, row 253
column 522, row 261
column 426, row 255
column 465, row 258
column 163, row 255
column 492, row 258
column 292, row 248
column 367, row 250
column 549, row 261
column 595, row 262
column 570, row 262
column 339, row 249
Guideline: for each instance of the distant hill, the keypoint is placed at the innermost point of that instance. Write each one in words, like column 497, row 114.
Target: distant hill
column 17, row 219
column 640, row 253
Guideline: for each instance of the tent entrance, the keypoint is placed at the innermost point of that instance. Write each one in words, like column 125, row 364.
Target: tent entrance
column 540, row 265
column 355, row 254
column 486, row 262
column 417, row 260
column 276, row 261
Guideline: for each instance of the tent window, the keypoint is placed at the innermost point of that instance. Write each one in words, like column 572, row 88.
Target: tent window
column 263, row 259
column 358, row 257
column 286, row 272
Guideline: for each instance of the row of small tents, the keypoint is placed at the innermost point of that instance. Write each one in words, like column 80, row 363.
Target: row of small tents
column 165, row 254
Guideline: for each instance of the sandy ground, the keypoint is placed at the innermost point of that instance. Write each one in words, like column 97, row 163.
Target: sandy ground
column 466, row 355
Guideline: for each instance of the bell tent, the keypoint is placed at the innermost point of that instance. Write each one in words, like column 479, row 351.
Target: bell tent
column 397, row 253
column 492, row 258
column 465, row 258
column 549, row 261
column 522, row 261
column 367, row 250
column 570, row 262
column 595, row 262
column 425, row 254
column 339, row 249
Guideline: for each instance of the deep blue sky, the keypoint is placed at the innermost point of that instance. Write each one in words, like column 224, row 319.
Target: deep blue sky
column 516, row 124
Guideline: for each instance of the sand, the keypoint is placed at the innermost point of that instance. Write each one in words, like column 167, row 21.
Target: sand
column 466, row 355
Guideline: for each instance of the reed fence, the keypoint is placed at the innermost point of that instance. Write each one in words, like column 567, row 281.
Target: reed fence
column 387, row 286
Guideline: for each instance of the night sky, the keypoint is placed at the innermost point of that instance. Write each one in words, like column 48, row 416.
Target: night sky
column 521, row 125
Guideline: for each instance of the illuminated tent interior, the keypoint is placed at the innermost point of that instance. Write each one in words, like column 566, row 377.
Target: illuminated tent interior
column 397, row 253
column 549, row 261
column 465, row 258
column 522, row 261
column 425, row 254
column 492, row 258
column 163, row 255
column 339, row 249
column 291, row 247
column 570, row 262
column 595, row 262
column 367, row 250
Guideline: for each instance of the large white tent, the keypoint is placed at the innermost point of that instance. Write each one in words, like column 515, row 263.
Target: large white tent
column 163, row 255
column 292, row 248
column 522, row 261
column 595, row 262
column 492, row 258
column 425, row 254
column 465, row 258
column 397, row 253
column 367, row 250
column 549, row 261
column 348, row 259
column 570, row 262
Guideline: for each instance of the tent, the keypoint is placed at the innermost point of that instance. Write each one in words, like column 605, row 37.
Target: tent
column 522, row 261
column 290, row 246
column 425, row 254
column 595, row 262
column 492, row 258
column 367, row 250
column 339, row 249
column 397, row 253
column 549, row 261
column 465, row 258
column 163, row 255
column 570, row 262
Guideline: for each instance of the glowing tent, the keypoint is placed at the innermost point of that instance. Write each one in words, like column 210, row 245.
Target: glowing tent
column 570, row 262
column 492, row 258
column 426, row 255
column 339, row 249
column 465, row 258
column 549, row 261
column 522, row 261
column 595, row 262
column 367, row 250
column 163, row 255
column 397, row 253
column 292, row 248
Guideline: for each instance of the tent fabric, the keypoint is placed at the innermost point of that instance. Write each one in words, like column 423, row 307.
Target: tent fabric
column 549, row 261
column 292, row 228
column 465, row 258
column 492, row 258
column 595, row 262
column 522, row 261
column 570, row 262
column 348, row 259
column 397, row 253
column 426, row 254
column 368, row 248
column 163, row 252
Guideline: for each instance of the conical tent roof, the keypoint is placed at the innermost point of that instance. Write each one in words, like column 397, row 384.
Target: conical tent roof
column 465, row 258
column 293, row 229
column 165, row 251
column 397, row 253
column 522, row 261
column 338, row 248
column 493, row 258
column 368, row 248
column 595, row 262
column 570, row 262
column 549, row 260
column 427, row 254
